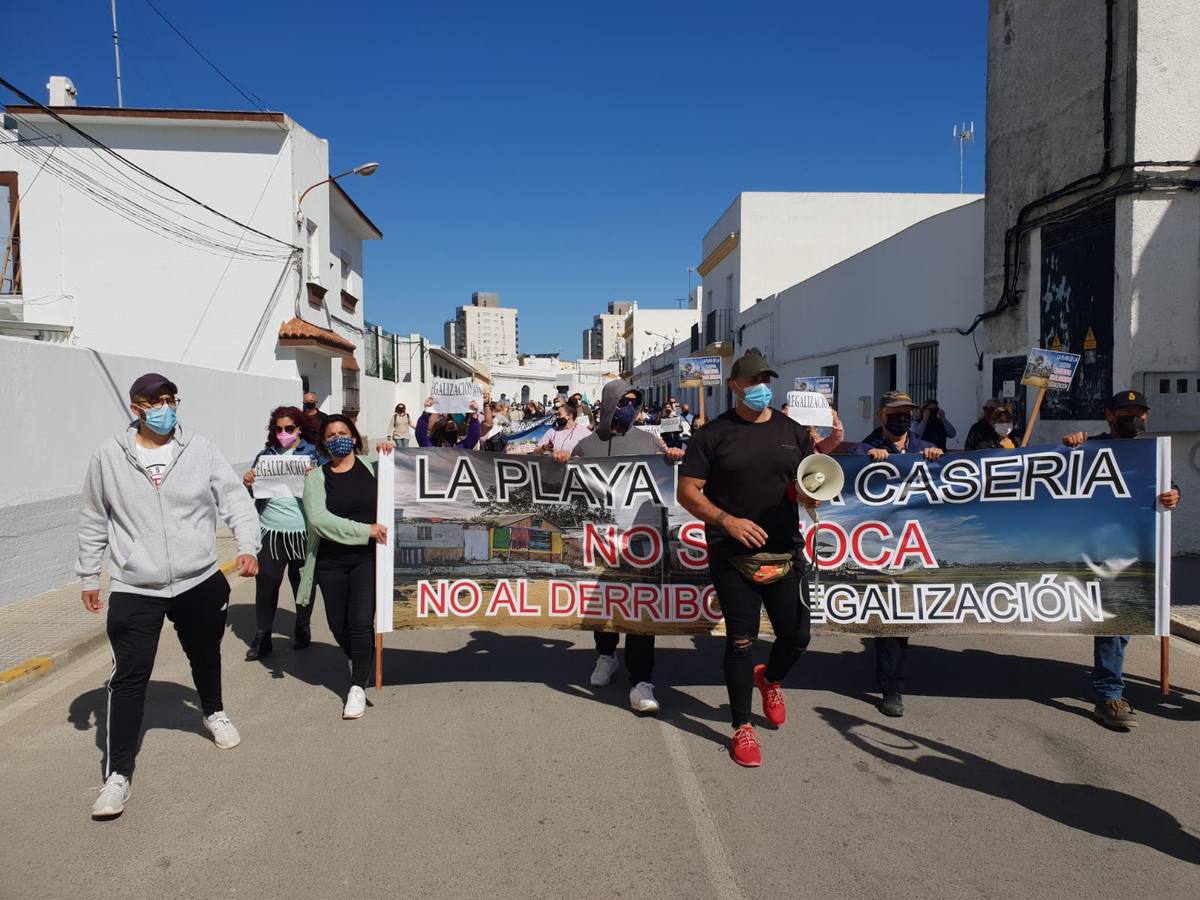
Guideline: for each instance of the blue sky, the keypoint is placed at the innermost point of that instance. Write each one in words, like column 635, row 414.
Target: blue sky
column 561, row 156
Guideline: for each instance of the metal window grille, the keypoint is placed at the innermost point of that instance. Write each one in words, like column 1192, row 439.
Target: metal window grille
column 350, row 399
column 923, row 373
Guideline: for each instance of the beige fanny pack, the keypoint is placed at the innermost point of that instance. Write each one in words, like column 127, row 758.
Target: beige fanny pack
column 763, row 568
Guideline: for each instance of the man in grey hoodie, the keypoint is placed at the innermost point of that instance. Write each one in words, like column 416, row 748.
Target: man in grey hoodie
column 151, row 500
column 616, row 435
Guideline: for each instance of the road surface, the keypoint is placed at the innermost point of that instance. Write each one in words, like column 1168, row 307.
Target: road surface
column 489, row 768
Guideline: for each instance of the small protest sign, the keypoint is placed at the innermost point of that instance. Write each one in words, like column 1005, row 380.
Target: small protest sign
column 668, row 426
column 280, row 476
column 699, row 371
column 454, row 395
column 821, row 384
column 809, row 408
column 1053, row 370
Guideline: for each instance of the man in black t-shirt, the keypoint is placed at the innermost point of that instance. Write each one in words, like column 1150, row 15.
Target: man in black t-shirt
column 738, row 477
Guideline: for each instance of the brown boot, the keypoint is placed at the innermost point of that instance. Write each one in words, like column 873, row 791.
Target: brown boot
column 1115, row 714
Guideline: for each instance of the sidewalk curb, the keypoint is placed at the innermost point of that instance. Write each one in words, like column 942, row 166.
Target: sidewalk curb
column 1185, row 631
column 20, row 676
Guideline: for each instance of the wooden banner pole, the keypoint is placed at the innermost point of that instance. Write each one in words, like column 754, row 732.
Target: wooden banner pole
column 378, row 661
column 1033, row 417
column 1164, row 665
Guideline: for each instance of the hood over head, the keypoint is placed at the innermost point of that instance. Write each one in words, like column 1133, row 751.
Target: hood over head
column 609, row 397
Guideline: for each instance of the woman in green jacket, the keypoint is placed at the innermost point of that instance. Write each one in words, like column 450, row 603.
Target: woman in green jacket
column 339, row 504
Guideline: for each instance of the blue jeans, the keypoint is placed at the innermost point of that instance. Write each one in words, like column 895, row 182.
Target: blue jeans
column 400, row 442
column 1107, row 682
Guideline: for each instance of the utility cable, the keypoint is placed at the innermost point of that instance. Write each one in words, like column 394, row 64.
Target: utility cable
column 132, row 165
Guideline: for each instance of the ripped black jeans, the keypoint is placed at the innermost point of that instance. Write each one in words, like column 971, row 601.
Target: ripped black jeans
column 742, row 604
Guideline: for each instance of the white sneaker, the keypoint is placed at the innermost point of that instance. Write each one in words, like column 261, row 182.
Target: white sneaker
column 224, row 734
column 606, row 668
column 356, row 703
column 641, row 698
column 113, row 797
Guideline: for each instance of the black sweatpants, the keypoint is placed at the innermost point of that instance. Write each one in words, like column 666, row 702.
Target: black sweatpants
column 134, row 624
column 639, row 653
column 266, row 589
column 742, row 603
column 891, row 656
column 348, row 588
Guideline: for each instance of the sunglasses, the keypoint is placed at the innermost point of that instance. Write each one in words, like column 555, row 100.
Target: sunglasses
column 290, row 429
column 627, row 401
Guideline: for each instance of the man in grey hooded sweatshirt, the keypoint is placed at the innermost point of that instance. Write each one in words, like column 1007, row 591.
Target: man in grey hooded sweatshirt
column 615, row 435
column 150, row 502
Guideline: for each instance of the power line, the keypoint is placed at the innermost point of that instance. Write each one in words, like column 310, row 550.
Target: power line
column 251, row 99
column 125, row 203
column 135, row 167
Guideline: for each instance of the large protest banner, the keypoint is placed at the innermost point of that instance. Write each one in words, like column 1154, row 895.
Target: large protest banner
column 1043, row 540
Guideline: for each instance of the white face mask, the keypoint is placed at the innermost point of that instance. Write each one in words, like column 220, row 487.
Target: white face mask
column 1004, row 429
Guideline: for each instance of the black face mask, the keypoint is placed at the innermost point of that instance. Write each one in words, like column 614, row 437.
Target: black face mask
column 560, row 423
column 310, row 405
column 1129, row 427
column 898, row 423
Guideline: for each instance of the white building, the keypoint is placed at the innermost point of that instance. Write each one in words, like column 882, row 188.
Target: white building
column 484, row 330
column 541, row 378
column 767, row 242
column 605, row 339
column 1085, row 250
column 883, row 319
column 651, row 331
column 113, row 273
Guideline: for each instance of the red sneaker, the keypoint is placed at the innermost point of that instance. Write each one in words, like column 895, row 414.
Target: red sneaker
column 744, row 747
column 772, row 697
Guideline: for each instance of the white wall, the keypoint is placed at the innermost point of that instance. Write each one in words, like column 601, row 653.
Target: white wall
column 39, row 493
column 788, row 237
column 132, row 289
column 674, row 324
column 909, row 289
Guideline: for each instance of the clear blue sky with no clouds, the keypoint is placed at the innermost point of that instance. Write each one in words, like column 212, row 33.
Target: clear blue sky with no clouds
column 560, row 155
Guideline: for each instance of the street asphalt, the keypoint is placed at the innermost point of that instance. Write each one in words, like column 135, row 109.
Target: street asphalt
column 487, row 767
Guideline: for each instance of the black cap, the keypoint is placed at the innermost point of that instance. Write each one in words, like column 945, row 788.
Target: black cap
column 152, row 386
column 752, row 364
column 1127, row 399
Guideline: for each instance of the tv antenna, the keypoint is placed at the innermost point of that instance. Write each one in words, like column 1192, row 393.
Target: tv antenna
column 963, row 134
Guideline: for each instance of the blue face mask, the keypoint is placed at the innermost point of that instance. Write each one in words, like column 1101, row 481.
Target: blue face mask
column 339, row 446
column 623, row 418
column 162, row 421
column 758, row 397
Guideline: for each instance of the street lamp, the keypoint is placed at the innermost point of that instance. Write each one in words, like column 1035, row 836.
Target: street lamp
column 366, row 170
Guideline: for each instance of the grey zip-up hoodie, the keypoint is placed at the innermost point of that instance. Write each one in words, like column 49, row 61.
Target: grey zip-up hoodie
column 160, row 541
column 603, row 442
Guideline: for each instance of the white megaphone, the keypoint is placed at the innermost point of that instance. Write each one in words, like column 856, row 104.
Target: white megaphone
column 819, row 477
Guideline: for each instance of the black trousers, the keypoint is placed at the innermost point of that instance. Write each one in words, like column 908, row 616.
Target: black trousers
column 742, row 602
column 639, row 653
column 348, row 588
column 266, row 589
column 891, row 655
column 134, row 624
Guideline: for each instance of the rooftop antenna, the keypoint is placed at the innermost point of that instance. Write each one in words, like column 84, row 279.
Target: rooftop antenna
column 117, row 54
column 962, row 134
